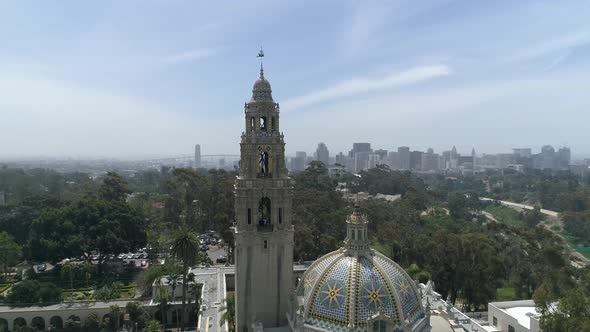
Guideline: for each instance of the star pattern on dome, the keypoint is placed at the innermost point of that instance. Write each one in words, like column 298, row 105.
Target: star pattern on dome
column 333, row 293
column 404, row 288
column 374, row 294
column 309, row 280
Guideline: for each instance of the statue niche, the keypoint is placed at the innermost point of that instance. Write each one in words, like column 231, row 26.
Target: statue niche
column 264, row 162
column 264, row 223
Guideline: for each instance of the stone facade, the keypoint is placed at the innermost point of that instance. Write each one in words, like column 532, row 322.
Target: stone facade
column 263, row 232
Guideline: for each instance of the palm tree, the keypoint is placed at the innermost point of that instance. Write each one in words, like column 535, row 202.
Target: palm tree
column 172, row 281
column 68, row 270
column 115, row 314
column 228, row 310
column 185, row 248
column 162, row 297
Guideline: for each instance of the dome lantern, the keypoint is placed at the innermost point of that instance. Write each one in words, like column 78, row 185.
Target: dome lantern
column 357, row 238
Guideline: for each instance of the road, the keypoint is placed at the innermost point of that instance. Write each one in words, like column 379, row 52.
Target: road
column 213, row 281
column 521, row 206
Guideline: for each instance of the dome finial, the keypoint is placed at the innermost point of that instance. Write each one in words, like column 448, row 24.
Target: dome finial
column 261, row 55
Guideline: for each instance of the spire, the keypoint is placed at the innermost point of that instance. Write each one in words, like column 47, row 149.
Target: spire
column 261, row 90
column 357, row 238
column 261, row 55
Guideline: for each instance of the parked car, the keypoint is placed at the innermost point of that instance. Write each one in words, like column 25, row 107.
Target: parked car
column 221, row 259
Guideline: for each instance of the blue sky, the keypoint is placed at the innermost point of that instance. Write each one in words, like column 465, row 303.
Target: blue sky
column 131, row 79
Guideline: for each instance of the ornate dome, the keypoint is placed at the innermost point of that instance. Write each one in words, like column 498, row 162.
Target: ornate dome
column 353, row 289
column 261, row 90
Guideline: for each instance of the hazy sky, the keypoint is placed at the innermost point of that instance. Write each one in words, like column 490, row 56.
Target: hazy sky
column 130, row 79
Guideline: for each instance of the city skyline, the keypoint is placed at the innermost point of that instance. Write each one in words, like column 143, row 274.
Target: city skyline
column 122, row 81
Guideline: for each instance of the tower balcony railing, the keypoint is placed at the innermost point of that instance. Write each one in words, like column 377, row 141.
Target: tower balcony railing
column 264, row 227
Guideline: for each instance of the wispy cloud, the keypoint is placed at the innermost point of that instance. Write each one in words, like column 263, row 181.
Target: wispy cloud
column 364, row 85
column 188, row 56
column 553, row 45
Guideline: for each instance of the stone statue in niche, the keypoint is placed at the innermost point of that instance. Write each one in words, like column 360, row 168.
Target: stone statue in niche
column 263, row 161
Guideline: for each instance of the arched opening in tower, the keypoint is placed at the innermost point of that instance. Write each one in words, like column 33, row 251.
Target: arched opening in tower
column 263, row 123
column 264, row 213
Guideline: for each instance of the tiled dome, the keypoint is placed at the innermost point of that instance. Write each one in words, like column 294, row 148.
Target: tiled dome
column 355, row 287
column 341, row 292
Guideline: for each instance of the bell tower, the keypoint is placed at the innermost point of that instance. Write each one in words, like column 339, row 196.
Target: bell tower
column 263, row 231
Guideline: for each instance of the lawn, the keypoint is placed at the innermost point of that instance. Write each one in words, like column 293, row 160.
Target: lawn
column 505, row 215
column 506, row 294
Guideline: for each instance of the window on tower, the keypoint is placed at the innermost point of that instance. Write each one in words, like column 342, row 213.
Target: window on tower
column 263, row 123
column 265, row 244
column 252, row 123
column 280, row 215
column 272, row 123
column 249, row 216
column 264, row 208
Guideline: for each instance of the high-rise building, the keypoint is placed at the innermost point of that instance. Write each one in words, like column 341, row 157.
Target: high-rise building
column 504, row 159
column 359, row 147
column 299, row 162
column 393, row 160
column 523, row 152
column 564, row 157
column 430, row 161
column 382, row 154
column 416, row 160
column 341, row 159
column 263, row 233
column 361, row 161
column 373, row 160
column 404, row 157
column 197, row 156
column 323, row 154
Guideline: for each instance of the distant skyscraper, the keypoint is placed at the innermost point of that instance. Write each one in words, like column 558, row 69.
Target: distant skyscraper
column 523, row 152
column 323, row 154
column 197, row 156
column 341, row 159
column 298, row 163
column 404, row 157
column 382, row 154
column 373, row 160
column 361, row 160
column 430, row 161
column 393, row 160
column 564, row 158
column 360, row 147
column 416, row 160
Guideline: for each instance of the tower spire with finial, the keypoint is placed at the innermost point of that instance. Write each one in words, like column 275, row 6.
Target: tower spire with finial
column 261, row 55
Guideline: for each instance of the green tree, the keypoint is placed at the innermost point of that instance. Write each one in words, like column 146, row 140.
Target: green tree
column 10, row 251
column 153, row 326
column 185, row 249
column 91, row 224
column 137, row 314
column 92, row 323
column 116, row 316
column 30, row 292
column 68, row 270
column 229, row 310
column 114, row 188
column 162, row 297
